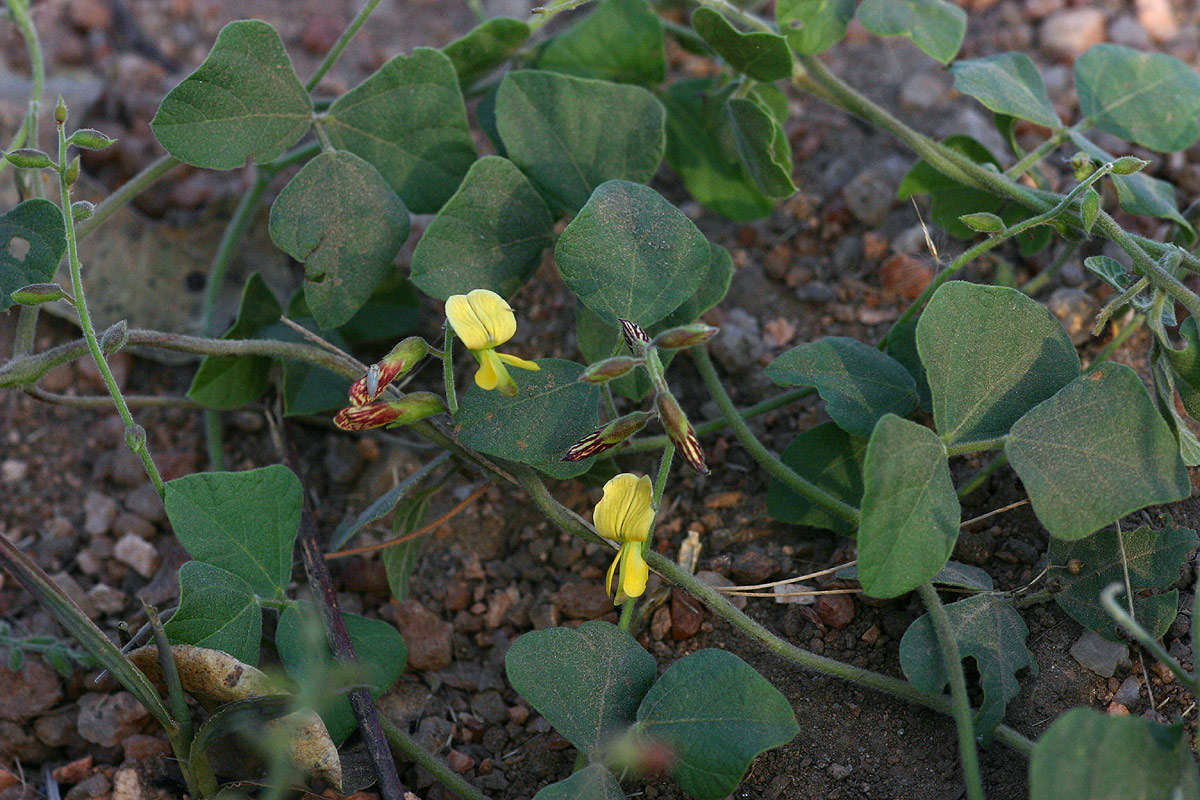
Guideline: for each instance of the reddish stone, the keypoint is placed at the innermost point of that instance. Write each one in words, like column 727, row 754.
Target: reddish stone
column 835, row 610
column 905, row 275
column 74, row 771
column 686, row 615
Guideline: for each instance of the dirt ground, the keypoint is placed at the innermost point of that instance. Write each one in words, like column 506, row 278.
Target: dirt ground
column 842, row 257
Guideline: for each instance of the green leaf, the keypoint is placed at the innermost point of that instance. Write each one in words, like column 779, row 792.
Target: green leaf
column 307, row 388
column 1007, row 83
column 391, row 313
column 551, row 411
column 593, row 782
column 964, row 576
column 1164, row 398
column 991, row 353
column 489, row 235
column 586, row 682
column 1091, row 755
column 1140, row 193
column 711, row 291
column 697, row 150
column 344, row 223
column 759, row 55
column 400, row 560
column 764, row 148
column 716, row 714
column 408, row 119
column 1125, row 91
column 569, row 135
column 901, row 344
column 910, row 512
column 381, row 656
column 859, row 383
column 988, row 629
column 244, row 101
column 385, row 503
column 231, row 381
column 832, row 459
column 1154, row 558
column 813, row 25
column 217, row 610
column 243, row 522
column 630, row 254
column 622, row 41
column 32, row 242
column 485, row 47
column 1109, row 270
column 1099, row 438
column 936, row 27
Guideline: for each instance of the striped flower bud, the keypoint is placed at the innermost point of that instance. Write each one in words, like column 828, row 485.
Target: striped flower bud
column 398, row 362
column 685, row 336
column 609, row 436
column 680, row 430
column 636, row 339
column 608, row 369
column 405, row 411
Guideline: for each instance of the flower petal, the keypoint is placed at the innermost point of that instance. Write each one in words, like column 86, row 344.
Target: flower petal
column 494, row 314
column 608, row 576
column 487, row 376
column 519, row 363
column 625, row 513
column 466, row 323
column 634, row 570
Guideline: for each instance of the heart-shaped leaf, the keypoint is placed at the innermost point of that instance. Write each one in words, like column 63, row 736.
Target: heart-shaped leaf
column 569, row 135
column 243, row 522
column 630, row 254
column 986, row 628
column 32, row 242
column 217, row 610
column 759, row 55
column 715, row 714
column 813, row 25
column 990, row 353
column 936, row 27
column 550, row 412
column 764, row 148
column 910, row 511
column 1089, row 754
column 593, row 782
column 586, row 682
column 341, row 219
column 489, row 235
column 1153, row 557
column 1008, row 83
column 485, row 47
column 244, row 101
column 408, row 119
column 1100, row 437
column 858, row 383
column 832, row 459
column 1124, row 92
column 621, row 40
column 232, row 381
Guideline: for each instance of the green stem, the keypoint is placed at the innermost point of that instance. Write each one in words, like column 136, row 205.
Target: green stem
column 129, row 190
column 985, row 472
column 336, row 51
column 980, row 446
column 28, row 131
column 963, row 718
column 627, row 609
column 27, row 319
column 448, row 370
column 1108, row 599
column 713, row 425
column 1041, row 151
column 546, row 13
column 135, row 436
column 1107, row 351
column 406, row 747
column 1039, row 281
column 761, row 454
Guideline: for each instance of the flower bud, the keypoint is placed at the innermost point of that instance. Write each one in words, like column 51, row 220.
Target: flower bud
column 680, row 430
column 610, row 368
column 405, row 411
column 685, row 336
column 609, row 436
column 636, row 339
column 135, row 437
column 402, row 358
column 81, row 210
column 1127, row 165
column 1082, row 165
column 72, row 173
column 1090, row 208
column 27, row 158
column 983, row 222
column 115, row 337
column 91, row 139
column 37, row 293
column 60, row 110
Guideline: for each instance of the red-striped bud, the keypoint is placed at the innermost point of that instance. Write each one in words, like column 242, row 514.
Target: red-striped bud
column 685, row 336
column 609, row 436
column 636, row 339
column 398, row 362
column 608, row 369
column 405, row 411
column 680, row 430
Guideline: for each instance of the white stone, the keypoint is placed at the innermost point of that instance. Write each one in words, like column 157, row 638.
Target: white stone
column 137, row 553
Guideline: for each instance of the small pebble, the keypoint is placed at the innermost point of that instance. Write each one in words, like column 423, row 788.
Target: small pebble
column 136, row 552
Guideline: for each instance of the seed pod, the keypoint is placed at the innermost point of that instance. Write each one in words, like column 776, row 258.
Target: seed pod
column 609, row 436
column 610, row 368
column 91, row 139
column 60, row 111
column 38, row 293
column 685, row 336
column 1127, row 165
column 27, row 158
column 680, row 430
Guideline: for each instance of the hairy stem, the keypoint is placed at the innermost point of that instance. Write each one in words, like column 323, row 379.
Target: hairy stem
column 27, row 133
column 335, row 52
column 407, row 747
column 128, row 191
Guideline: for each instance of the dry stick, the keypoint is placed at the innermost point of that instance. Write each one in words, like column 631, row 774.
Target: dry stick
column 371, row 548
column 321, row 585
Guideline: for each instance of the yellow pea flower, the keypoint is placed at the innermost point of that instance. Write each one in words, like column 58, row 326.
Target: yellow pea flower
column 625, row 515
column 484, row 321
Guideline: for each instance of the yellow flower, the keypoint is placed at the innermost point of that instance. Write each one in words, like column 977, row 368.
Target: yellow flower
column 625, row 515
column 484, row 321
